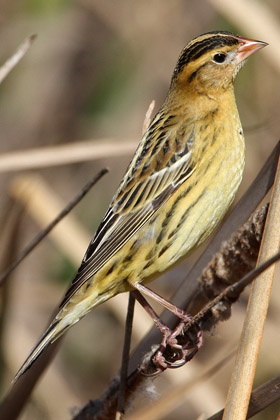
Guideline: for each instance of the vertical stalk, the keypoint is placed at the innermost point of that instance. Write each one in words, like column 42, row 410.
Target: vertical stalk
column 246, row 359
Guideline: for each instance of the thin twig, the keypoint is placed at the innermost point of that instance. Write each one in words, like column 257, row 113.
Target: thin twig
column 41, row 235
column 125, row 356
column 250, row 341
column 8, row 66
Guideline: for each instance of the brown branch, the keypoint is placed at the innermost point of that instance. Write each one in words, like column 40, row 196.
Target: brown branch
column 43, row 233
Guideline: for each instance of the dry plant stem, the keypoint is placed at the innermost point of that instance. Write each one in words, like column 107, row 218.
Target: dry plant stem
column 125, row 356
column 8, row 66
column 261, row 397
column 245, row 365
column 69, row 153
column 48, row 229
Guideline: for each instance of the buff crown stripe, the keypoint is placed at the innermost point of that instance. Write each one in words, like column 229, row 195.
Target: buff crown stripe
column 199, row 48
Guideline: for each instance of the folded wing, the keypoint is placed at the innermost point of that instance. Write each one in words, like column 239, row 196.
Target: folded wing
column 160, row 165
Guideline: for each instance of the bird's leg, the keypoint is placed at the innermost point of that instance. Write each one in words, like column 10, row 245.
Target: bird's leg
column 164, row 329
column 180, row 353
column 168, row 305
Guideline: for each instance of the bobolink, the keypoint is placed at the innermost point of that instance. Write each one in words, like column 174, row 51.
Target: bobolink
column 178, row 186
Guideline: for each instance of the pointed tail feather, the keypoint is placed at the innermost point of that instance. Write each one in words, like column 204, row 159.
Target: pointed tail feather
column 55, row 330
column 62, row 322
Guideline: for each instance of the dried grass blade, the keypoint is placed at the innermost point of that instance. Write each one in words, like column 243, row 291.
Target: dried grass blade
column 246, row 360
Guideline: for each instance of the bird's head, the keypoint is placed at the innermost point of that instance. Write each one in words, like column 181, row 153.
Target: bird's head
column 210, row 62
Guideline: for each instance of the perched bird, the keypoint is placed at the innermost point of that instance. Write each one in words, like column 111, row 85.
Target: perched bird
column 181, row 181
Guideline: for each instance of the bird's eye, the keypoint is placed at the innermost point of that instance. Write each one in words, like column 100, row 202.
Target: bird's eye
column 219, row 58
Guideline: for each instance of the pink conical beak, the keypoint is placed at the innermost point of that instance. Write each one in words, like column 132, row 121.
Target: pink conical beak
column 247, row 48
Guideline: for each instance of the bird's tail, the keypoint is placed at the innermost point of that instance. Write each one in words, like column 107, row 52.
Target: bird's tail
column 55, row 330
column 65, row 319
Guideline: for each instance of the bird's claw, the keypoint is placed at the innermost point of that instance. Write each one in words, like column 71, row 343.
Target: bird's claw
column 173, row 355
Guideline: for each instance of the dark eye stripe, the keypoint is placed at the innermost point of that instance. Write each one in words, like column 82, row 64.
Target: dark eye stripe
column 199, row 48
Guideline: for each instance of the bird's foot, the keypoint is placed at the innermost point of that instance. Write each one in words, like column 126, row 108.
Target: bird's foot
column 176, row 349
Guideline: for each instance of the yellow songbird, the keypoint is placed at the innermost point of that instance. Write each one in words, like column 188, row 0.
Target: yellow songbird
column 180, row 183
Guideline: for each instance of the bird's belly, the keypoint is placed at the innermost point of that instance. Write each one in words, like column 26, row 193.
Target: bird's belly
column 192, row 214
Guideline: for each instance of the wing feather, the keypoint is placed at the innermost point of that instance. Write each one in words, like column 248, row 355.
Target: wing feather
column 142, row 192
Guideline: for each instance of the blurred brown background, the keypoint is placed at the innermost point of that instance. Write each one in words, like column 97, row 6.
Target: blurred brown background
column 91, row 75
